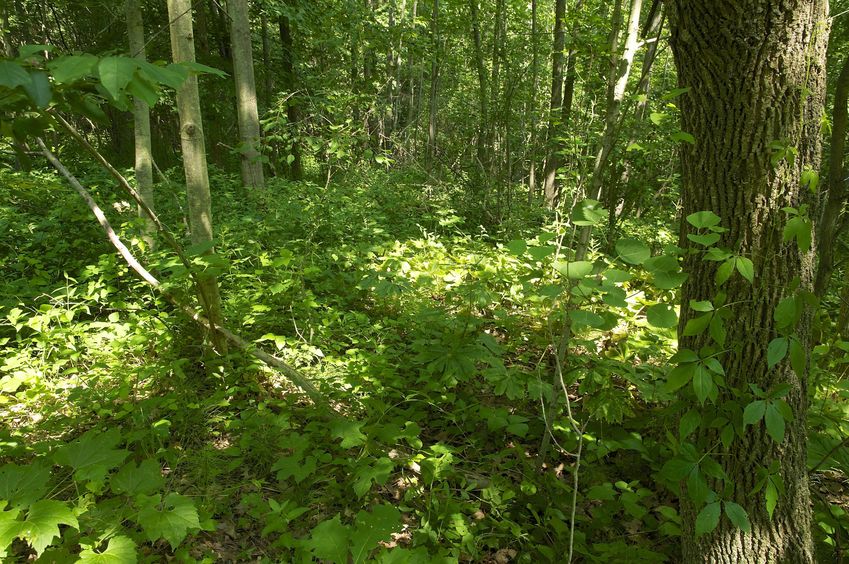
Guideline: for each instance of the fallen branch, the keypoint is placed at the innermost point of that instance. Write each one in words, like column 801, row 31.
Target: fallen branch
column 290, row 372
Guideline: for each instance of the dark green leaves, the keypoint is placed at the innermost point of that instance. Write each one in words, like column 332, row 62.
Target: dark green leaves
column 92, row 455
column 115, row 73
column 171, row 518
column 662, row 316
column 776, row 351
column 13, row 74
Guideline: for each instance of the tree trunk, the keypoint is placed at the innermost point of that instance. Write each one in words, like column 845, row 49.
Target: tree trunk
column 267, row 85
column 246, row 104
column 434, row 84
column 552, row 160
column 290, row 85
column 141, row 120
column 194, row 155
column 756, row 74
column 532, row 165
column 483, row 103
column 829, row 225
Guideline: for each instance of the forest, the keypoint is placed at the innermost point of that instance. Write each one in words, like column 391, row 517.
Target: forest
column 414, row 281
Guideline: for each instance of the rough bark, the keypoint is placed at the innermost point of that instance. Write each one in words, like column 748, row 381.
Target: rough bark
column 755, row 70
column 141, row 120
column 194, row 155
column 246, row 103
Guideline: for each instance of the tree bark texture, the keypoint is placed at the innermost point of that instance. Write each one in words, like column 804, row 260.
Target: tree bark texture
column 141, row 118
column 551, row 160
column 755, row 70
column 246, row 103
column 194, row 152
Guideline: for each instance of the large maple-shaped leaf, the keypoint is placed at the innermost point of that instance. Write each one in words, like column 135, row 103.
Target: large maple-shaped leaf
column 92, row 455
column 120, row 550
column 10, row 529
column 21, row 486
column 42, row 523
column 133, row 480
column 329, row 541
column 372, row 528
column 169, row 519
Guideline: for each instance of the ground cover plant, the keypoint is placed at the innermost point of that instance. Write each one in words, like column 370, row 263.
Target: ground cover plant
column 384, row 301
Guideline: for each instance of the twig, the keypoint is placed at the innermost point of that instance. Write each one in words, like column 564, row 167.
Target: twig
column 289, row 371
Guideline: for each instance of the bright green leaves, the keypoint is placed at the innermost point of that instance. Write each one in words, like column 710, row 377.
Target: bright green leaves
column 666, row 272
column 40, row 527
column 799, row 227
column 119, row 550
column 574, row 270
column 708, row 518
column 772, row 484
column 705, row 220
column 704, row 373
column 171, row 518
column 662, row 316
column 376, row 472
column 349, row 432
column 92, row 455
column 333, row 541
column 588, row 213
column 633, row 251
column 72, row 67
column 770, row 408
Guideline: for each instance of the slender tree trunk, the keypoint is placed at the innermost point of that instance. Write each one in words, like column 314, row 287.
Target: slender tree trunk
column 434, row 84
column 267, row 84
column 829, row 225
column 621, row 70
column 194, row 155
column 532, row 143
column 756, row 74
column 246, row 104
column 483, row 102
column 290, row 85
column 141, row 119
column 551, row 160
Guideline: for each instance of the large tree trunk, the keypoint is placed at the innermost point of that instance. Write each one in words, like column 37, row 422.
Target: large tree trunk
column 141, row 119
column 246, row 104
column 194, row 156
column 755, row 70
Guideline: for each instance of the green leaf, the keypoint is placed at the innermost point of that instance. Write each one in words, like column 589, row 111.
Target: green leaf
column 172, row 76
column 746, row 268
column 370, row 528
column 615, row 276
column 754, row 412
column 668, row 280
column 683, row 136
column 115, row 73
column 798, row 358
column 203, row 69
column 329, row 541
column 13, row 74
column 120, row 550
column 785, row 313
column 697, row 487
column 708, row 518
column 774, row 423
column 574, row 270
column 799, row 228
column 703, row 384
column 39, row 89
column 92, row 455
column 541, row 252
column 689, row 423
column 21, row 486
column 349, row 432
column 676, row 469
column 633, row 251
column 170, row 519
column 697, row 325
column 582, row 318
column 776, row 351
column 42, row 523
column 723, row 273
column 703, row 219
column 588, row 212
column 72, row 68
column 738, row 516
column 771, row 495
column 661, row 315
column 705, row 240
column 679, row 376
column 10, row 529
column 133, row 480
column 517, row 247
column 143, row 90
column 366, row 474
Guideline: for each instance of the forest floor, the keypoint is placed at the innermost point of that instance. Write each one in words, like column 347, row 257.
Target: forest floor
column 431, row 338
